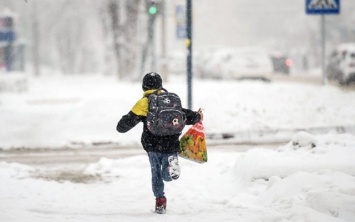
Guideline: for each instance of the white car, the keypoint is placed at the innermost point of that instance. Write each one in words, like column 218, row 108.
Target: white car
column 341, row 64
column 208, row 62
column 248, row 63
column 234, row 63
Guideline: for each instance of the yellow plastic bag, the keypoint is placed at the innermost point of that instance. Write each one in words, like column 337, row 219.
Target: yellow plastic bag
column 193, row 144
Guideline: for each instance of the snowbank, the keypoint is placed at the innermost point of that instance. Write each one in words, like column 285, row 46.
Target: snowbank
column 305, row 152
column 63, row 111
column 311, row 178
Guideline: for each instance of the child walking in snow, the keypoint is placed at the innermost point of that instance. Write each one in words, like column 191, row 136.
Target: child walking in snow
column 162, row 150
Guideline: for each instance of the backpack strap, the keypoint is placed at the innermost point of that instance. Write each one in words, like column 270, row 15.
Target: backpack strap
column 156, row 92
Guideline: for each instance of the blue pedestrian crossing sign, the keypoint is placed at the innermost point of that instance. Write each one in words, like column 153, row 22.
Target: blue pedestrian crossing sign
column 322, row 6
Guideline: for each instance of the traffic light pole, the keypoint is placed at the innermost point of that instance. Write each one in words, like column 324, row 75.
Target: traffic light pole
column 164, row 65
column 189, row 51
column 150, row 41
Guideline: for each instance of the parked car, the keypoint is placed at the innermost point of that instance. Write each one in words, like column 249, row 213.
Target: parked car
column 341, row 64
column 233, row 63
column 281, row 63
column 248, row 63
column 208, row 62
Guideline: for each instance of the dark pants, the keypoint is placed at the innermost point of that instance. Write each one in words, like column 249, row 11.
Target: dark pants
column 160, row 173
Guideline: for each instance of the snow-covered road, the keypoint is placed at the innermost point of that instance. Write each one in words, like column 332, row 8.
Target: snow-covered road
column 309, row 176
column 67, row 157
column 68, row 164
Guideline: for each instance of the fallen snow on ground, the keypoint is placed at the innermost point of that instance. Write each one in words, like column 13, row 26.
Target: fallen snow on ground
column 296, row 182
column 311, row 178
column 61, row 111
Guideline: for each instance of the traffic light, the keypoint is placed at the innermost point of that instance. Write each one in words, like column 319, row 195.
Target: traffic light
column 152, row 8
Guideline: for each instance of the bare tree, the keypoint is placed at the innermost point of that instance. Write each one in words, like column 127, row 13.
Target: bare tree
column 130, row 36
column 114, row 13
column 124, row 34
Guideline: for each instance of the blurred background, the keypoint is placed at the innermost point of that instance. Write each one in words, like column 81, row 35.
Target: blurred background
column 127, row 38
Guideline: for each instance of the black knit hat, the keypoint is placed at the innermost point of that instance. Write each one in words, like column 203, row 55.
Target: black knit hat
column 151, row 80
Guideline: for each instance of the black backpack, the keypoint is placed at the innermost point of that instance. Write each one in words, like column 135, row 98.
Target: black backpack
column 165, row 115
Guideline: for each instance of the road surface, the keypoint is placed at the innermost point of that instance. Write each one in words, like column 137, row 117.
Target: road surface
column 68, row 164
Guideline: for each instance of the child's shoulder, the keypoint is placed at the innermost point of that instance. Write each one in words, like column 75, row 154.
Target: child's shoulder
column 141, row 107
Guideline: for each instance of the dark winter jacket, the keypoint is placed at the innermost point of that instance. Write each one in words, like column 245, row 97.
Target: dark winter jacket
column 151, row 142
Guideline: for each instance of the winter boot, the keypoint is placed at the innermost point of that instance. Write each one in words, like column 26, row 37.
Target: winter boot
column 160, row 205
column 174, row 168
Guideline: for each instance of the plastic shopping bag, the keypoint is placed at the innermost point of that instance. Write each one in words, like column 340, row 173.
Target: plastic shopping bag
column 193, row 144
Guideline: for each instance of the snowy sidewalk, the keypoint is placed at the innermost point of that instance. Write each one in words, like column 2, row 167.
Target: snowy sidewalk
column 309, row 179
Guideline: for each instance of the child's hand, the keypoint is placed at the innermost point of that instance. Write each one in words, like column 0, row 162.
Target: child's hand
column 201, row 114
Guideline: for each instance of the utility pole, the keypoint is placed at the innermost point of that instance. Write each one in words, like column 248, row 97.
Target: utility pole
column 164, row 65
column 149, row 45
column 189, row 51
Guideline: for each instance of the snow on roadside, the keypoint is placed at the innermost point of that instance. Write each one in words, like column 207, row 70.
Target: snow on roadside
column 304, row 152
column 64, row 110
column 311, row 178
column 324, row 195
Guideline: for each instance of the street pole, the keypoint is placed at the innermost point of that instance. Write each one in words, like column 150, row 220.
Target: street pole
column 164, row 65
column 189, row 51
column 152, row 45
column 149, row 44
column 323, row 8
column 324, row 75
